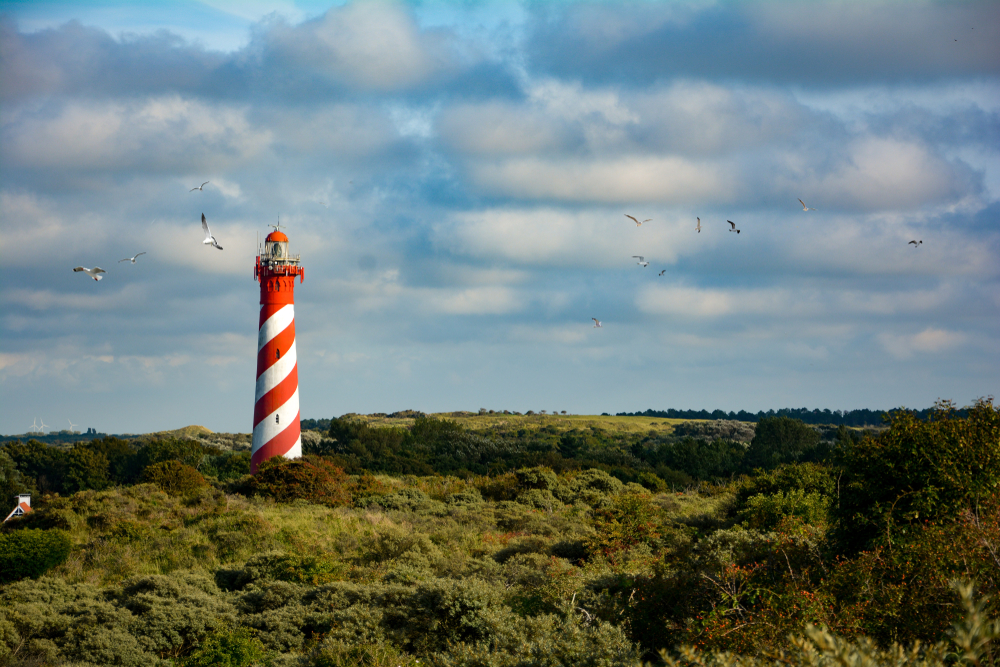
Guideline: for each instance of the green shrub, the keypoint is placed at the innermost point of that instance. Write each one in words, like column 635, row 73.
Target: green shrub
column 765, row 512
column 174, row 477
column 917, row 470
column 779, row 440
column 338, row 653
column 310, row 478
column 31, row 552
column 229, row 647
column 628, row 521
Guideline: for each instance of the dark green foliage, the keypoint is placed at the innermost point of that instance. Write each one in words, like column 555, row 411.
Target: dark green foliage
column 31, row 552
column 701, row 459
column 171, row 613
column 229, row 647
column 174, row 477
column 226, row 466
column 12, row 481
column 918, row 470
column 779, row 440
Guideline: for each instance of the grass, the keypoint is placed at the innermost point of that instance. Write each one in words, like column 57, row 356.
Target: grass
column 478, row 422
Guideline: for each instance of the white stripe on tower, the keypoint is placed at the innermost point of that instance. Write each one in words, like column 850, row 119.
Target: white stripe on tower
column 276, row 401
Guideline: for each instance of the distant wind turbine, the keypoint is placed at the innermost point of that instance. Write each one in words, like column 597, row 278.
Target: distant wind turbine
column 72, row 427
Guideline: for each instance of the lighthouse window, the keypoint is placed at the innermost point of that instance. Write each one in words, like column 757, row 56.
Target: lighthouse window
column 277, row 353
column 275, row 419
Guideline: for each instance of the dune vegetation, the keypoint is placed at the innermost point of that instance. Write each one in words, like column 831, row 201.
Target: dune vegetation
column 512, row 540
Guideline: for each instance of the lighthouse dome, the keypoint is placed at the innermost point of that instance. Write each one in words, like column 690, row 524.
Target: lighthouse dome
column 277, row 237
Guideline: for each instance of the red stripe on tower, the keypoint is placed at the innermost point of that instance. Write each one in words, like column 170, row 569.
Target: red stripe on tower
column 276, row 429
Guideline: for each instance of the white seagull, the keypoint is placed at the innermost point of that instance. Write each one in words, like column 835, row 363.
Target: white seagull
column 130, row 259
column 637, row 223
column 597, row 323
column 698, row 228
column 200, row 187
column 804, row 207
column 94, row 273
column 641, row 261
column 915, row 243
column 209, row 239
column 734, row 226
column 662, row 272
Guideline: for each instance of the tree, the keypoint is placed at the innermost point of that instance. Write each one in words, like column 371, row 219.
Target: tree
column 918, row 470
column 174, row 477
column 31, row 552
column 779, row 440
column 309, row 478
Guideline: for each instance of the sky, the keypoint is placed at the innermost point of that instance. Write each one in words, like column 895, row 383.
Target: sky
column 456, row 176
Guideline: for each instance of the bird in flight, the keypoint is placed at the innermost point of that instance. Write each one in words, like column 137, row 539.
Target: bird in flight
column 209, row 239
column 662, row 272
column 130, row 259
column 733, row 226
column 698, row 228
column 94, row 273
column 200, row 187
column 637, row 223
column 804, row 207
column 597, row 323
column 641, row 261
column 915, row 243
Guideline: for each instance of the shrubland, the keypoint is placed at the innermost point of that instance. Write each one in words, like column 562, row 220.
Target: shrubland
column 535, row 541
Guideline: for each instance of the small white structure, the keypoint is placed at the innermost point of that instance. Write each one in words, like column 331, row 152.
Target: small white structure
column 23, row 506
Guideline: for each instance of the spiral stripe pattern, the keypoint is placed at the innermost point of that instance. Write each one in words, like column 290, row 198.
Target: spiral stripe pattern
column 276, row 401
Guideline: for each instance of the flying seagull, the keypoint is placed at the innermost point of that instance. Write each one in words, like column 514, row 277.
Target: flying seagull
column 94, row 273
column 200, row 187
column 130, row 259
column 597, row 323
column 209, row 239
column 662, row 272
column 734, row 226
column 698, row 228
column 804, row 207
column 637, row 223
column 641, row 261
column 915, row 243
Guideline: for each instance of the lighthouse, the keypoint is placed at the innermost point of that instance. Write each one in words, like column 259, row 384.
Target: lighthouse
column 276, row 402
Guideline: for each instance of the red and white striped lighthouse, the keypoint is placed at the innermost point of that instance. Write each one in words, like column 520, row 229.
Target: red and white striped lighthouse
column 276, row 403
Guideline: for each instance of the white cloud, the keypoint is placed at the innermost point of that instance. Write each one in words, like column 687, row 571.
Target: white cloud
column 929, row 341
column 373, row 45
column 153, row 134
column 551, row 236
column 645, row 179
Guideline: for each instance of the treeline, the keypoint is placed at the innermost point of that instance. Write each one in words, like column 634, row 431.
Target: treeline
column 856, row 418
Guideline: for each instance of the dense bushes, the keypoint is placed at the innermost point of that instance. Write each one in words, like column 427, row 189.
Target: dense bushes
column 31, row 552
column 174, row 477
column 550, row 562
column 918, row 470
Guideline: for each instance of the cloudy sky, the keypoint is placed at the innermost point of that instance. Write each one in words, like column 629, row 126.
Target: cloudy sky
column 456, row 178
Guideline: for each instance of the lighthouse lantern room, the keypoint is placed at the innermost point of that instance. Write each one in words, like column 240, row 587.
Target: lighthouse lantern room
column 276, row 403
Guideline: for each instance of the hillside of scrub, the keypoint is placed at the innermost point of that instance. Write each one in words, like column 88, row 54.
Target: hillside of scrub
column 167, row 553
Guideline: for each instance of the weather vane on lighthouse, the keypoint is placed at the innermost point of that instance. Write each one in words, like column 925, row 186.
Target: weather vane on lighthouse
column 276, row 429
